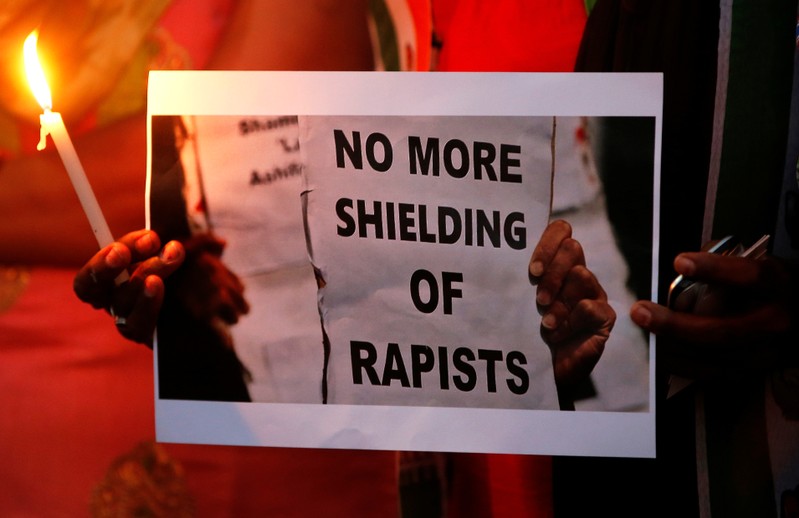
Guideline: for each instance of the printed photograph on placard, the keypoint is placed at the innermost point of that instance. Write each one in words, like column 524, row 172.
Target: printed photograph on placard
column 384, row 260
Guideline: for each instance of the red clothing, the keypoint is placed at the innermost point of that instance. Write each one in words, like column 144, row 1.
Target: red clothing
column 508, row 35
column 75, row 395
column 477, row 35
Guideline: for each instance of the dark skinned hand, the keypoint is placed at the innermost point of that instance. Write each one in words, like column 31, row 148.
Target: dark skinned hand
column 753, row 317
column 576, row 317
column 136, row 302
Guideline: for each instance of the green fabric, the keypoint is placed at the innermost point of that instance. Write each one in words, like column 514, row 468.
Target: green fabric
column 756, row 121
column 386, row 33
column 752, row 162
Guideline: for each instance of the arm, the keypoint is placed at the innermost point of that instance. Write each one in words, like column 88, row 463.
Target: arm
column 296, row 35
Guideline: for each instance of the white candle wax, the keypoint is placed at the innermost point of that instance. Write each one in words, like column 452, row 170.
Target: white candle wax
column 53, row 125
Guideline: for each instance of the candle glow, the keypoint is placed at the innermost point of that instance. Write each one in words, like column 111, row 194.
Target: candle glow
column 53, row 125
column 35, row 73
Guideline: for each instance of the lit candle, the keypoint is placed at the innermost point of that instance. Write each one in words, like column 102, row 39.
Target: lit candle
column 52, row 124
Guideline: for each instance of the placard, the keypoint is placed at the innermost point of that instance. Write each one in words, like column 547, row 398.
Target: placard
column 407, row 321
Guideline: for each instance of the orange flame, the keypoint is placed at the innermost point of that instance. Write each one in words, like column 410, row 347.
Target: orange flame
column 35, row 73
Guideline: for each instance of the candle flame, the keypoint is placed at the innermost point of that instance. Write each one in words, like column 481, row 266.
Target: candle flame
column 35, row 73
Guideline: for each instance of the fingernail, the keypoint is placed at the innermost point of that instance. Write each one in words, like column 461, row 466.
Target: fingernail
column 641, row 315
column 684, row 265
column 114, row 259
column 536, row 268
column 146, row 243
column 549, row 321
column 150, row 287
column 543, row 298
column 171, row 253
